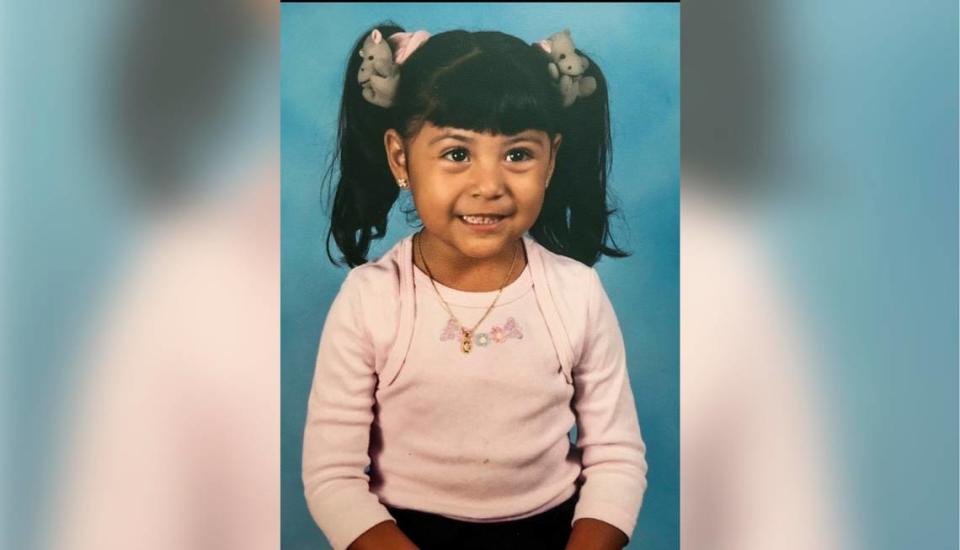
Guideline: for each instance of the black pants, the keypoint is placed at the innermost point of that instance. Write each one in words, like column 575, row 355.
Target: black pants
column 545, row 531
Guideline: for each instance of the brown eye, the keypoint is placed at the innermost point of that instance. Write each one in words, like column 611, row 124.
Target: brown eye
column 456, row 155
column 370, row 58
column 519, row 155
column 563, row 56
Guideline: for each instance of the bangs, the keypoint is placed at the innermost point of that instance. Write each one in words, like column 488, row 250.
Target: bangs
column 484, row 94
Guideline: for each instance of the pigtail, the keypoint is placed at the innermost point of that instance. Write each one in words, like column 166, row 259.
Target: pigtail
column 574, row 220
column 365, row 191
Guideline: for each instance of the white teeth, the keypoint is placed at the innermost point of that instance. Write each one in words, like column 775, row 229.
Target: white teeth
column 481, row 220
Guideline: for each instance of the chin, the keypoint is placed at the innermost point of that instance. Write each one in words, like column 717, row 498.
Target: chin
column 486, row 248
column 479, row 251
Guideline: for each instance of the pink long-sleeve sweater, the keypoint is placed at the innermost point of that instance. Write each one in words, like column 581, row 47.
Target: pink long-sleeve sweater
column 478, row 437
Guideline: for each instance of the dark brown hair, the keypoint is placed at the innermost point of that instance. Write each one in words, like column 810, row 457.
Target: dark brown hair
column 486, row 82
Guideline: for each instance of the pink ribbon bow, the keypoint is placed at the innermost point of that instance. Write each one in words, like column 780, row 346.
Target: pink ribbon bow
column 405, row 43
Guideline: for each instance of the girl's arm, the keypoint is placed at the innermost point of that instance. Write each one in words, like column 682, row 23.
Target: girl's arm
column 339, row 417
column 383, row 535
column 608, row 433
column 593, row 534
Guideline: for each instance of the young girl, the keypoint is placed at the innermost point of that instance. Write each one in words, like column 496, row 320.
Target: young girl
column 453, row 370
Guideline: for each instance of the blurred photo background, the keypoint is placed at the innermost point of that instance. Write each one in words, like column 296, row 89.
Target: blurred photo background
column 818, row 274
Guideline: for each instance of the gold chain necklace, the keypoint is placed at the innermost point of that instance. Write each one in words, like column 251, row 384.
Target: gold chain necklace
column 466, row 336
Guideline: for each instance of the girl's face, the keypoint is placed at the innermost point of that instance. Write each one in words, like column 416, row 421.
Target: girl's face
column 476, row 193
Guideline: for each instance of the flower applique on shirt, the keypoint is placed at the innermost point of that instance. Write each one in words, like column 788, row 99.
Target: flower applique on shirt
column 497, row 334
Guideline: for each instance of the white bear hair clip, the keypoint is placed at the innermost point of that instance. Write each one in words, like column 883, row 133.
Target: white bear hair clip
column 568, row 67
column 379, row 72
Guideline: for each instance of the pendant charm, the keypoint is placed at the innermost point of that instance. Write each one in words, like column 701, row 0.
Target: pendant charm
column 466, row 344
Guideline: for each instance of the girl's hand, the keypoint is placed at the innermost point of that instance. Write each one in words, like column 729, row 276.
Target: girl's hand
column 593, row 534
column 383, row 536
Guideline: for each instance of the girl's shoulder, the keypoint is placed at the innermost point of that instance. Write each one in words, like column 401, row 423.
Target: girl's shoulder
column 375, row 291
column 378, row 277
column 562, row 270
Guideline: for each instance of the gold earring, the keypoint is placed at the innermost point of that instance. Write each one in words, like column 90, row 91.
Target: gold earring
column 402, row 182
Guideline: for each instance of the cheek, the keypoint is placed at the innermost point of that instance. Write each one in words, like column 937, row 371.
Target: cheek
column 434, row 203
column 529, row 197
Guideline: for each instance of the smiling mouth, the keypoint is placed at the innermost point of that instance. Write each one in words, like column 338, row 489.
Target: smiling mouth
column 482, row 219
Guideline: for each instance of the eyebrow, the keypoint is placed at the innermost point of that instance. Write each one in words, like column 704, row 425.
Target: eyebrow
column 451, row 135
column 523, row 137
column 467, row 139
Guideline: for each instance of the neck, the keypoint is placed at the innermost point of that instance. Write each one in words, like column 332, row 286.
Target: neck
column 456, row 271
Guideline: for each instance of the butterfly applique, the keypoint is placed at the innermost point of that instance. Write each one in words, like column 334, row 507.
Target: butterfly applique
column 451, row 331
column 497, row 334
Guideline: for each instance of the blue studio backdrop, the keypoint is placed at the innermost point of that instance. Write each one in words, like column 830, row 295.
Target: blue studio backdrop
column 638, row 48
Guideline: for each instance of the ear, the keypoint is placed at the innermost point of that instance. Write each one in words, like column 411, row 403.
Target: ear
column 376, row 36
column 396, row 154
column 554, row 149
column 546, row 46
column 566, row 32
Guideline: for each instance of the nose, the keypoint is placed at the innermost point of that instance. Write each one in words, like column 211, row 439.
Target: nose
column 489, row 181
